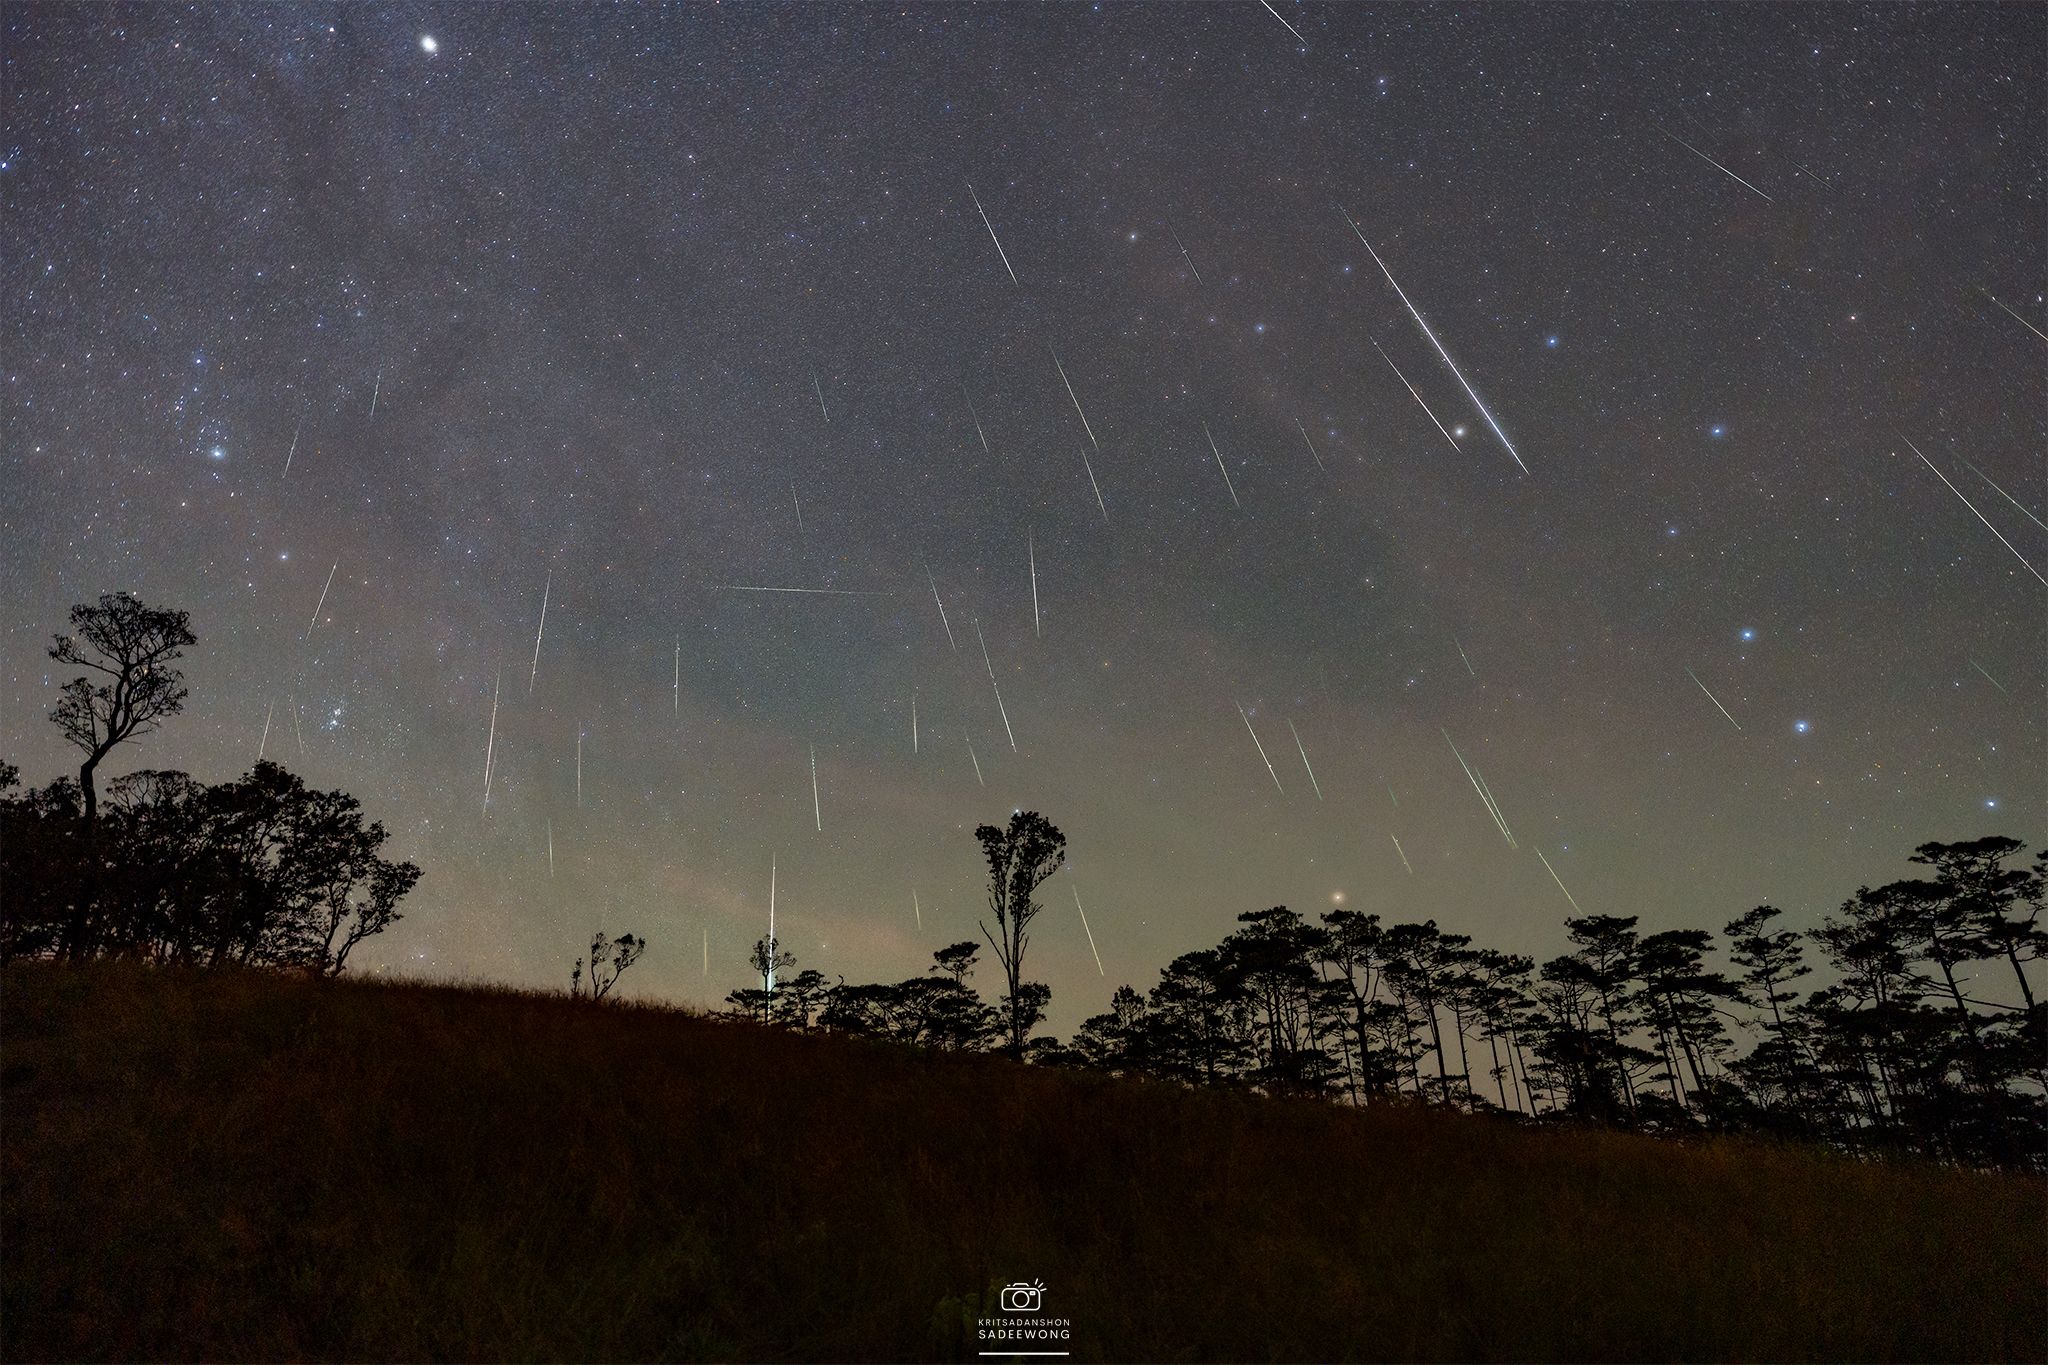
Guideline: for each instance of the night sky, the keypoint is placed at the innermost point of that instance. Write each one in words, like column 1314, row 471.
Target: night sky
column 628, row 288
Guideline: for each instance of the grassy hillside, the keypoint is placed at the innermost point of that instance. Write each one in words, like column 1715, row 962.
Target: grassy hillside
column 247, row 1166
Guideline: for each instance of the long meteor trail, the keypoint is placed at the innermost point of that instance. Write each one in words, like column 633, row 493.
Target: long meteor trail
column 1086, row 930
column 1987, row 677
column 1191, row 260
column 1031, row 548
column 534, row 672
column 1719, row 167
column 302, row 426
column 1311, row 445
column 942, row 609
column 1711, row 697
column 1978, row 515
column 817, row 814
column 1485, row 796
column 1304, row 760
column 491, row 744
column 1404, row 857
column 322, row 602
column 1072, row 398
column 1262, row 748
column 1417, row 395
column 814, row 592
column 2015, row 316
column 2023, row 509
column 1290, row 28
column 995, row 686
column 1560, row 883
column 991, row 231
column 1089, row 465
column 1224, row 468
column 1470, row 392
column 977, row 419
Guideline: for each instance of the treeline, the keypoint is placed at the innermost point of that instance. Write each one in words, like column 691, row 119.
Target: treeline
column 1927, row 1039
column 260, row 871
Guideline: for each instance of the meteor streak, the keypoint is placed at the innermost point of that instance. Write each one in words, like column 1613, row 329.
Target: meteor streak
column 1089, row 465
column 491, row 743
column 551, row 849
column 1978, row 515
column 991, row 231
column 942, row 609
column 679, row 676
column 1086, row 930
column 977, row 419
column 1290, row 28
column 579, row 768
column 1184, row 256
column 322, row 602
column 1722, row 169
column 798, row 504
column 1973, row 663
column 297, row 733
column 1076, row 401
column 994, row 686
column 1484, row 795
column 272, row 710
column 1031, row 548
column 534, row 672
column 1220, row 465
column 1404, row 857
column 972, row 759
column 1469, row 391
column 375, row 389
column 1311, row 445
column 1262, row 748
column 817, row 814
column 1304, row 760
column 1461, row 654
column 769, row 983
column 1417, row 395
column 2015, row 316
column 1711, row 697
column 815, row 592
column 2007, row 496
column 913, row 722
column 1560, row 883
column 295, row 443
column 916, row 909
column 819, row 389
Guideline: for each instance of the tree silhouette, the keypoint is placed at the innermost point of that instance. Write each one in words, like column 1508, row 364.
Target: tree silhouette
column 609, row 959
column 131, row 646
column 1019, row 859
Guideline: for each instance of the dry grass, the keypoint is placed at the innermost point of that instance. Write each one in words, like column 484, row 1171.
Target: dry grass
column 241, row 1166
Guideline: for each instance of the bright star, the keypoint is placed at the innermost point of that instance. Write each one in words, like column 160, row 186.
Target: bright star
column 1800, row 727
column 428, row 45
column 1718, row 431
column 1550, row 341
column 1458, row 431
column 1749, row 632
column 218, row 453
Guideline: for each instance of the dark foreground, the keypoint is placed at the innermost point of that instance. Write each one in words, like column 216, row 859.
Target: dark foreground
column 233, row 1167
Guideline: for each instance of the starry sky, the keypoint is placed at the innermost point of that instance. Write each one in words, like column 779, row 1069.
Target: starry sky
column 466, row 306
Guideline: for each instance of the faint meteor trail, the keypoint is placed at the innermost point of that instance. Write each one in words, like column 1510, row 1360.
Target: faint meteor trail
column 1089, row 465
column 769, row 984
column 1484, row 796
column 1719, row 167
column 797, row 502
column 1261, row 748
column 817, row 813
column 2007, row 496
column 1071, row 397
column 1975, row 513
column 679, row 676
column 1487, row 792
column 1417, row 395
column 1086, row 930
column 534, row 672
column 977, row 419
column 1560, row 883
column 1404, row 857
column 972, row 759
column 262, row 743
column 1973, row 663
column 491, row 743
column 1461, row 654
column 1311, row 445
column 815, row 592
column 2015, row 316
column 579, row 767
column 1184, row 256
column 375, row 389
column 1304, row 760
column 942, row 608
column 994, row 686
column 1711, row 697
column 991, row 231
column 915, row 908
column 551, row 848
column 1290, row 28
column 819, row 389
column 1031, row 548
column 913, row 722
column 322, row 602
column 1221, row 466
column 1470, row 392
column 297, row 733
column 295, row 444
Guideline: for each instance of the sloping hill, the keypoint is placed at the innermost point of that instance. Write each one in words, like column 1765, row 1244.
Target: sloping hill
column 239, row 1166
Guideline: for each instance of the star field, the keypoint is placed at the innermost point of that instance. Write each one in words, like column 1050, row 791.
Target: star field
column 607, row 301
